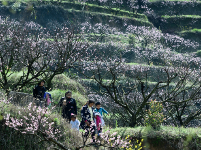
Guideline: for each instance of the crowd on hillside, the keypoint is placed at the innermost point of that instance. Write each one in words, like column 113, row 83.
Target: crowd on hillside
column 91, row 118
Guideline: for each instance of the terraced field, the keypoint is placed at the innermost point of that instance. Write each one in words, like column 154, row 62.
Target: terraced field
column 113, row 27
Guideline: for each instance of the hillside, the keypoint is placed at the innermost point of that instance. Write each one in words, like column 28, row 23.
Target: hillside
column 139, row 51
column 151, row 39
column 166, row 30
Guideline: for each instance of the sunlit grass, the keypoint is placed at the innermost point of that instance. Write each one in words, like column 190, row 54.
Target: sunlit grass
column 182, row 16
column 195, row 30
column 58, row 94
column 163, row 132
column 118, row 12
column 139, row 20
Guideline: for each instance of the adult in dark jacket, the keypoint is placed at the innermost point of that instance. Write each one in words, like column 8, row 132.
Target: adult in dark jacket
column 69, row 107
column 87, row 114
column 38, row 94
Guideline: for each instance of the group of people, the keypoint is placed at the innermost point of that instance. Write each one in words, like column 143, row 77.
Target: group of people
column 89, row 114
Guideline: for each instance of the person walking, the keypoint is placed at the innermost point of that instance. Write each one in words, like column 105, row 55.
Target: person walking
column 69, row 106
column 98, row 122
column 74, row 122
column 100, row 112
column 38, row 94
column 87, row 114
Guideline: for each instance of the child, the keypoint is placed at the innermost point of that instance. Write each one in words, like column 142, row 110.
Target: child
column 98, row 122
column 101, row 111
column 74, row 122
column 48, row 98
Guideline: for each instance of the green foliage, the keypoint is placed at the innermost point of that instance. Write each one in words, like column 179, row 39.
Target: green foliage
column 198, row 53
column 132, row 39
column 71, row 75
column 154, row 116
column 116, row 124
column 102, row 9
column 56, row 120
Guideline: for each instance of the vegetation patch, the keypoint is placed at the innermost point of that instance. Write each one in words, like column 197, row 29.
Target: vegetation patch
column 172, row 137
column 181, row 16
column 14, row 139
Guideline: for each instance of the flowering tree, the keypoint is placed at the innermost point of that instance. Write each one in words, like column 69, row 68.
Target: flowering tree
column 36, row 52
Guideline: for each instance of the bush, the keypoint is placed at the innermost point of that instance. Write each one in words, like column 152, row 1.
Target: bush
column 14, row 139
column 154, row 116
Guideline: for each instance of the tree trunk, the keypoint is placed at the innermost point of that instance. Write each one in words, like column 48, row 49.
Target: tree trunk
column 133, row 121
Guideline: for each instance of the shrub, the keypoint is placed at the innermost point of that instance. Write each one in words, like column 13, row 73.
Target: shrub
column 20, row 134
column 154, row 116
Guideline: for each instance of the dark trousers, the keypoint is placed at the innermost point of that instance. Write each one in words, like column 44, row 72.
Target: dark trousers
column 67, row 117
column 91, row 130
column 99, row 131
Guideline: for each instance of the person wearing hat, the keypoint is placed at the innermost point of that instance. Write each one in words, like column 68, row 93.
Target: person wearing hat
column 38, row 94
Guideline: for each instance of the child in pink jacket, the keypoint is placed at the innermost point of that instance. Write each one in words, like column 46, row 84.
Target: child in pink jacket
column 98, row 122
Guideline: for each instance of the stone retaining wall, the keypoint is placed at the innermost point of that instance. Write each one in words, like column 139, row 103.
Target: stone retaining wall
column 22, row 99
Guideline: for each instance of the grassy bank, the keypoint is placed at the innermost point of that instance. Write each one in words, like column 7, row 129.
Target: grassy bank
column 166, row 137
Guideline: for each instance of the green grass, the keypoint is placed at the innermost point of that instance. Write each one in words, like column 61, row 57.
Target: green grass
column 91, row 7
column 58, row 94
column 164, row 132
column 109, row 10
column 63, row 82
column 148, row 82
column 195, row 30
column 107, row 37
column 141, row 21
column 145, row 65
column 181, row 16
